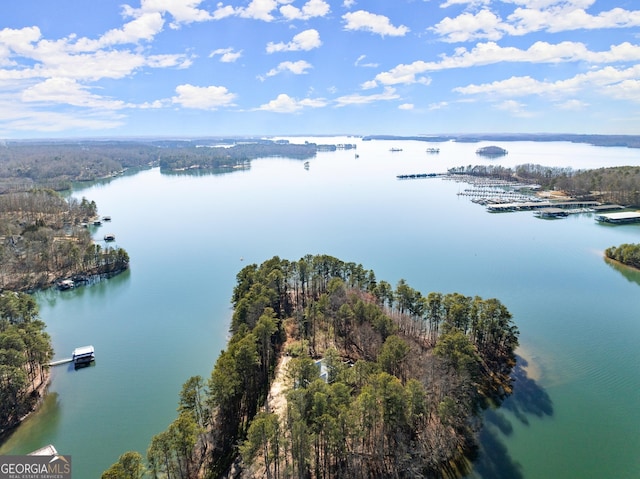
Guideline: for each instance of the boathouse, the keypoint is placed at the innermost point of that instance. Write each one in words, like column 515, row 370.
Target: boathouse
column 550, row 213
column 83, row 355
column 619, row 218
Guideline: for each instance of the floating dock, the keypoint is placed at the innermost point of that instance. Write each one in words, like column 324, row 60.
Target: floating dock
column 624, row 217
column 414, row 176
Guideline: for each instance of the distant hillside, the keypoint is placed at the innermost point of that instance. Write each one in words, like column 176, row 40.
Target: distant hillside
column 629, row 141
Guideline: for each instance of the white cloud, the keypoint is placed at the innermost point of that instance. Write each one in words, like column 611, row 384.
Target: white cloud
column 573, row 105
column 297, row 68
column 612, row 82
column 360, row 62
column 16, row 116
column 471, row 3
column 203, row 98
column 144, row 27
column 67, row 91
column 470, row 26
column 259, row 10
column 182, row 11
column 25, row 55
column 357, row 99
column 438, row 106
column 491, row 53
column 371, row 22
column 625, row 90
column 305, row 41
column 404, row 74
column 406, row 106
column 348, row 3
column 285, row 104
column 224, row 11
column 566, row 16
column 515, row 108
column 533, row 16
column 227, row 55
column 313, row 8
column 256, row 10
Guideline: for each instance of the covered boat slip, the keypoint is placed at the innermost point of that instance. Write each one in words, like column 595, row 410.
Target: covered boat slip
column 83, row 355
column 619, row 218
column 537, row 205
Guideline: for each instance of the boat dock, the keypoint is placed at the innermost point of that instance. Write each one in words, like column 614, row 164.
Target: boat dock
column 414, row 176
column 80, row 357
column 624, row 217
column 60, row 361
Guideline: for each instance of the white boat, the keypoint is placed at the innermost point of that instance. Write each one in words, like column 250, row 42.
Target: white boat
column 65, row 284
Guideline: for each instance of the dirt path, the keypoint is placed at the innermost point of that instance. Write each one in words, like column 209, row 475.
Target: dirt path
column 276, row 401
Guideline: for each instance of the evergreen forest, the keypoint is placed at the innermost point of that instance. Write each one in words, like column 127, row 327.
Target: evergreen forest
column 25, row 352
column 330, row 373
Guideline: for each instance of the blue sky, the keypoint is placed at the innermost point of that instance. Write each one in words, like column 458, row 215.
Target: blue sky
column 71, row 68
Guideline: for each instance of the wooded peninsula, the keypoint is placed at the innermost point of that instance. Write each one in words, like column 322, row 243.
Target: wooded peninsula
column 627, row 254
column 331, row 373
column 56, row 165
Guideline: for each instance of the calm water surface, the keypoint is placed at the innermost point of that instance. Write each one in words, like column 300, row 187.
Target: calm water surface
column 576, row 408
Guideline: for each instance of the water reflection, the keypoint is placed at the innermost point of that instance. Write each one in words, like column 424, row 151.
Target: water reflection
column 44, row 423
column 494, row 461
column 93, row 287
column 529, row 398
column 632, row 274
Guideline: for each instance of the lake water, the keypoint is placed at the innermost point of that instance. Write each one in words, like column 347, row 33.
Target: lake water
column 576, row 408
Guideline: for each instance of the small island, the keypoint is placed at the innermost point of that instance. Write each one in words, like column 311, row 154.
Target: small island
column 332, row 373
column 491, row 151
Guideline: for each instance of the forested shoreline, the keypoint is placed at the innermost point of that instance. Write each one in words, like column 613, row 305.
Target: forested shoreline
column 43, row 239
column 406, row 376
column 627, row 254
column 25, row 165
column 25, row 352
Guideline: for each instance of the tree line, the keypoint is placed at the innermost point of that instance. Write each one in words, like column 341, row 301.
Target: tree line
column 228, row 158
column 405, row 376
column 619, row 184
column 25, row 352
column 626, row 253
column 56, row 165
